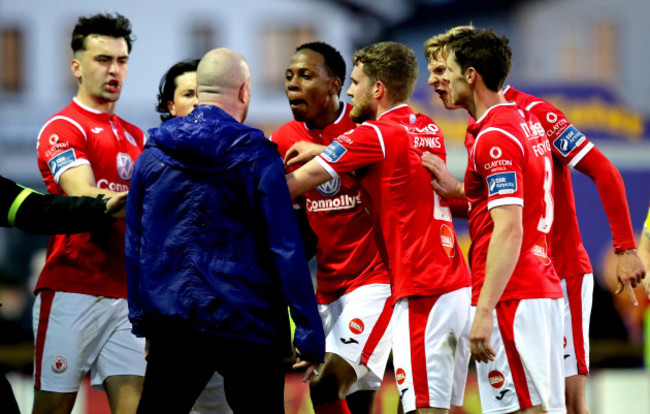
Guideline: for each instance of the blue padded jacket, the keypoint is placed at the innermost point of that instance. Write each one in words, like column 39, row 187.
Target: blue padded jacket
column 212, row 239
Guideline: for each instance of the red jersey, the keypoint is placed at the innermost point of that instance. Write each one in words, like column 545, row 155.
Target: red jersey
column 569, row 146
column 346, row 250
column 510, row 164
column 417, row 238
column 75, row 136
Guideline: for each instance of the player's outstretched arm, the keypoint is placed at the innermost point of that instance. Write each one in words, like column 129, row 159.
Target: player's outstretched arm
column 629, row 268
column 50, row 214
column 307, row 177
column 302, row 152
column 80, row 181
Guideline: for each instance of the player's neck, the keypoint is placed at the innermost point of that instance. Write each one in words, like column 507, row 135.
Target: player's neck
column 96, row 103
column 484, row 99
column 327, row 117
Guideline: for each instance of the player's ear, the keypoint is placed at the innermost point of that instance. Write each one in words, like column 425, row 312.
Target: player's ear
column 335, row 86
column 471, row 75
column 379, row 90
column 171, row 108
column 75, row 67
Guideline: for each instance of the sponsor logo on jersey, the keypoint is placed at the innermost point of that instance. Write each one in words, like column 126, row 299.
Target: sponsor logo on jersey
column 429, row 129
column 59, row 364
column 495, row 152
column 502, row 183
column 533, row 129
column 498, row 165
column 96, row 130
column 333, row 152
column 61, row 161
column 551, row 117
column 356, row 326
column 330, row 188
column 447, row 240
column 540, row 250
column 557, row 128
column 124, row 166
column 57, row 149
column 104, row 183
column 496, row 379
column 343, row 202
column 400, row 376
column 130, row 138
column 569, row 140
column 54, row 138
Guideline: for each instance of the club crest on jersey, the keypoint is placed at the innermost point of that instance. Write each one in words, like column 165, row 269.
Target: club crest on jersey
column 333, row 152
column 59, row 364
column 61, row 161
column 569, row 140
column 502, row 183
column 330, row 188
column 124, row 166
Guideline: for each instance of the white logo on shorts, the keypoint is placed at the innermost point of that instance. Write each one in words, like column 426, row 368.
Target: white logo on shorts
column 59, row 365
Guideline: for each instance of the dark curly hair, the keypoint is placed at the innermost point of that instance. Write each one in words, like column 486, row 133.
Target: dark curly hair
column 168, row 86
column 334, row 62
column 101, row 24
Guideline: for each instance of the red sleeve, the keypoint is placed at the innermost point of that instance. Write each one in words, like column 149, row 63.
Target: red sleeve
column 612, row 194
column 61, row 145
column 498, row 158
column 355, row 149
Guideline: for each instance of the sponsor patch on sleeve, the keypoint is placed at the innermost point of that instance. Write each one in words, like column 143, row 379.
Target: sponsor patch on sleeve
column 569, row 140
column 62, row 160
column 502, row 183
column 333, row 152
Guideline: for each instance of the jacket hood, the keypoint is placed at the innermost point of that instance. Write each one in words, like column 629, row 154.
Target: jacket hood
column 208, row 139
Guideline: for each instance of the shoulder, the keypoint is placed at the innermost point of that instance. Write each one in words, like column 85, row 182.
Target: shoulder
column 288, row 132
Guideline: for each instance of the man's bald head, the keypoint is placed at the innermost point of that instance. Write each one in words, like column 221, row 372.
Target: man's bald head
column 223, row 78
column 221, row 72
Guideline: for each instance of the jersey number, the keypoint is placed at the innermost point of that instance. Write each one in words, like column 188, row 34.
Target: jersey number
column 546, row 220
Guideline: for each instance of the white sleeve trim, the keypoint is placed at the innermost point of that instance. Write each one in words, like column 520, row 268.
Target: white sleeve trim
column 581, row 155
column 532, row 104
column 380, row 137
column 76, row 163
column 506, row 201
column 65, row 118
column 327, row 167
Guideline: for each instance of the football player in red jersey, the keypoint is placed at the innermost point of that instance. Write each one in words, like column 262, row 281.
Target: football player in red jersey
column 353, row 286
column 416, row 237
column 567, row 251
column 80, row 314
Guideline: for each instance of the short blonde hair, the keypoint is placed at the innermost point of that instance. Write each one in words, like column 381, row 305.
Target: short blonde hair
column 438, row 44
